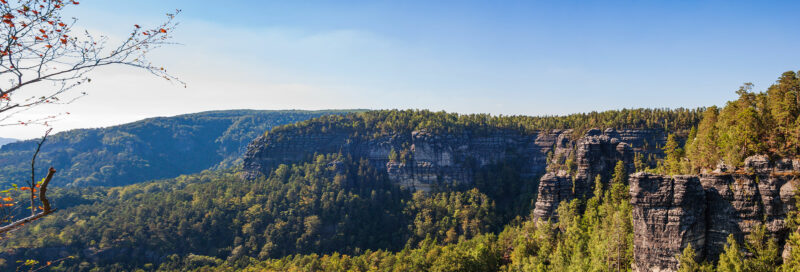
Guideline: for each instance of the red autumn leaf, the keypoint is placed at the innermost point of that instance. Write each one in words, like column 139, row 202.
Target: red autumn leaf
column 24, row 188
column 162, row 30
column 48, row 46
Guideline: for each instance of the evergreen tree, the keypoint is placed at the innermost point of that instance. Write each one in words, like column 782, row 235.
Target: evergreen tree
column 731, row 259
column 704, row 151
column 687, row 261
column 620, row 173
column 766, row 255
column 784, row 105
column 673, row 155
column 739, row 127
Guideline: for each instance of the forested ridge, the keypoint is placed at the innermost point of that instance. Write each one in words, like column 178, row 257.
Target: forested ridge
column 375, row 123
column 338, row 213
column 149, row 149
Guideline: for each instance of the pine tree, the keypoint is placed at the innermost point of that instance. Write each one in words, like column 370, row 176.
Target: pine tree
column 620, row 173
column 673, row 154
column 731, row 259
column 690, row 148
column 704, row 152
column 784, row 104
column 687, row 261
column 764, row 248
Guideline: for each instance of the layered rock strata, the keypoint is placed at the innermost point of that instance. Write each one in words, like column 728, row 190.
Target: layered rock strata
column 597, row 153
column 452, row 158
column 553, row 188
column 730, row 203
column 668, row 214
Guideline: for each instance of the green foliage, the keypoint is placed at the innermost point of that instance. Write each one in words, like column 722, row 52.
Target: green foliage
column 731, row 259
column 385, row 122
column 393, row 156
column 154, row 148
column 448, row 216
column 332, row 204
column 597, row 239
column 687, row 262
column 765, row 250
column 673, row 157
column 755, row 123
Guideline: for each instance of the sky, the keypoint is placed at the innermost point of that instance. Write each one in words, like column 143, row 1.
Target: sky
column 498, row 57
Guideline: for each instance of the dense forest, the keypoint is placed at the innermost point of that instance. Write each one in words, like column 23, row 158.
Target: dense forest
column 335, row 212
column 149, row 149
column 376, row 123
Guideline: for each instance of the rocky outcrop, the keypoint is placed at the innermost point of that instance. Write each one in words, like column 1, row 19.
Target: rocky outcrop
column 597, row 153
column 553, row 188
column 452, row 158
column 668, row 214
column 732, row 203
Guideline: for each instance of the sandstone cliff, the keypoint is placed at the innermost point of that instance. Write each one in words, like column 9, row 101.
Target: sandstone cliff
column 672, row 212
column 432, row 159
column 597, row 153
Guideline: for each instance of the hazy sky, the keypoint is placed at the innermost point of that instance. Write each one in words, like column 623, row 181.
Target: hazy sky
column 519, row 57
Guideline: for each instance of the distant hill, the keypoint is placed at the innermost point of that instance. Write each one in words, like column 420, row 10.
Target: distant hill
column 4, row 141
column 153, row 148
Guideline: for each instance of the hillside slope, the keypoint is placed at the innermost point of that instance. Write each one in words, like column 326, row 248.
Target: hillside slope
column 149, row 149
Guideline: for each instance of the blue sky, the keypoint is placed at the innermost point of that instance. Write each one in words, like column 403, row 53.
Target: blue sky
column 510, row 57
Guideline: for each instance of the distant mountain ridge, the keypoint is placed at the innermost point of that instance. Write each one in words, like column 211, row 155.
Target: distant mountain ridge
column 4, row 141
column 152, row 148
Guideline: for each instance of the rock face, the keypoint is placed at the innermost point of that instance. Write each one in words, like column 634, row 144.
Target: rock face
column 553, row 188
column 668, row 214
column 597, row 153
column 432, row 159
column 729, row 203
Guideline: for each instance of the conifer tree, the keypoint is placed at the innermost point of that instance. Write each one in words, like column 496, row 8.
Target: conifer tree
column 687, row 261
column 673, row 154
column 784, row 105
column 731, row 259
column 766, row 256
column 704, row 152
